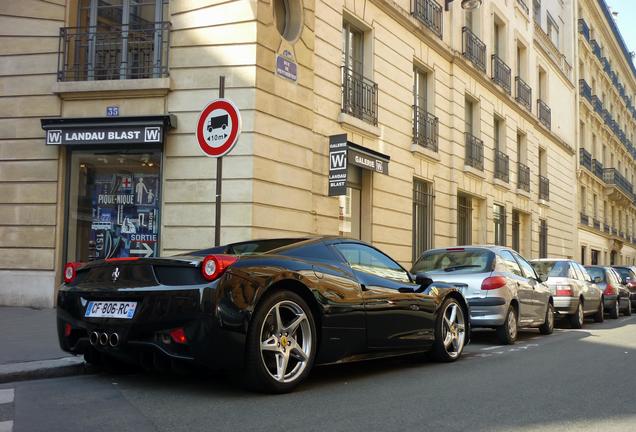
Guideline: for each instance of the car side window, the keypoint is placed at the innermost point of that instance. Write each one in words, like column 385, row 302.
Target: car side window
column 526, row 267
column 575, row 272
column 368, row 260
column 617, row 278
column 586, row 275
column 511, row 264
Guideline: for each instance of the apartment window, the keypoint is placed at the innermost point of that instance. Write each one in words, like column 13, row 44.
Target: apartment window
column 553, row 30
column 359, row 94
column 583, row 253
column 594, row 256
column 501, row 157
column 583, row 200
column 425, row 125
column 469, row 113
column 113, row 40
column 499, row 220
column 543, row 238
column 516, row 230
column 423, row 222
column 523, row 171
column 464, row 219
column 544, row 182
column 595, row 206
column 536, row 11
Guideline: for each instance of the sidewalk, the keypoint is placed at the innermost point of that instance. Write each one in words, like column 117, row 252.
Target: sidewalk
column 29, row 346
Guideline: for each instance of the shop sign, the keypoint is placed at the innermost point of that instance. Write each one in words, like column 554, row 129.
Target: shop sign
column 342, row 153
column 105, row 135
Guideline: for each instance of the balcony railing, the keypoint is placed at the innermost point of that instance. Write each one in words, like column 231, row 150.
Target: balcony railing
column 89, row 53
column 585, row 90
column 524, row 93
column 597, row 168
column 596, row 49
column 596, row 223
column 500, row 73
column 584, row 29
column 523, row 6
column 544, row 113
column 474, row 151
column 544, row 188
column 585, row 220
column 359, row 96
column 585, row 158
column 607, row 228
column 502, row 166
column 598, row 105
column 474, row 49
column 425, row 129
column 523, row 177
column 430, row 13
column 613, row 177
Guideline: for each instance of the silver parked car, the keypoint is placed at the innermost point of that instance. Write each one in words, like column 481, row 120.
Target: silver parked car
column 615, row 294
column 503, row 290
column 574, row 292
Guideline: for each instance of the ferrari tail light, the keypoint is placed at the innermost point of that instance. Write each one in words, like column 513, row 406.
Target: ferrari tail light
column 609, row 290
column 493, row 282
column 67, row 330
column 70, row 271
column 564, row 290
column 213, row 266
column 178, row 335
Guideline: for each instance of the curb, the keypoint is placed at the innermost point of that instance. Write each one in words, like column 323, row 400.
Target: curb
column 65, row 366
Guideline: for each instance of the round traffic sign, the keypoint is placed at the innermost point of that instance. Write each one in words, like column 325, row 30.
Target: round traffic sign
column 218, row 128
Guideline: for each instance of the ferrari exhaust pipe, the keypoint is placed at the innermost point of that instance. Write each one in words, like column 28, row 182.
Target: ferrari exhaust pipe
column 113, row 340
column 93, row 338
column 103, row 339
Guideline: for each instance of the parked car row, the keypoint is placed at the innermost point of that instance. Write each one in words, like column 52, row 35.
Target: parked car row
column 275, row 308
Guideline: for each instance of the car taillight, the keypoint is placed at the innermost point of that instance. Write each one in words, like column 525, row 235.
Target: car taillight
column 609, row 290
column 70, row 271
column 67, row 329
column 178, row 335
column 493, row 282
column 213, row 266
column 564, row 290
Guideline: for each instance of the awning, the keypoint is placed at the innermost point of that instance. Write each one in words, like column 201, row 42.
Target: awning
column 107, row 130
column 342, row 153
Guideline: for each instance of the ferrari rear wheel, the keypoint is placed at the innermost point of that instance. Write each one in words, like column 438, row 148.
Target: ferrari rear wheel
column 281, row 344
column 450, row 332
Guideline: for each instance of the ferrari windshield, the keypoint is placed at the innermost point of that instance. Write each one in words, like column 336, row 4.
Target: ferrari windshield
column 455, row 261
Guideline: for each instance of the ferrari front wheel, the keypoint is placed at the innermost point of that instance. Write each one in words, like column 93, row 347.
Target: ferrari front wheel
column 450, row 331
column 281, row 343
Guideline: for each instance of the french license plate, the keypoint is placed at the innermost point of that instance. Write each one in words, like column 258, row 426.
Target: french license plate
column 110, row 309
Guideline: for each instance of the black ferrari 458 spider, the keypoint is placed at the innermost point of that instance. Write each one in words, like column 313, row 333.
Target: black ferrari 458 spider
column 270, row 308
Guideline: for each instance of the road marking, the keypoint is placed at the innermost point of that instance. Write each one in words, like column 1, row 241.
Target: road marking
column 492, row 348
column 6, row 426
column 6, row 396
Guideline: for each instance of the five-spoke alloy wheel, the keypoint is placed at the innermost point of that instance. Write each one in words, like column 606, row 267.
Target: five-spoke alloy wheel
column 450, row 332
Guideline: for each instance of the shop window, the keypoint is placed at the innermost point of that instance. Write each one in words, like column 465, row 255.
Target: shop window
column 516, row 227
column 464, row 219
column 594, row 257
column 423, row 222
column 499, row 219
column 113, row 204
column 543, row 238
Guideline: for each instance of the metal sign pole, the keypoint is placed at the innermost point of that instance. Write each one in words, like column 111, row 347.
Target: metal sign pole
column 219, row 179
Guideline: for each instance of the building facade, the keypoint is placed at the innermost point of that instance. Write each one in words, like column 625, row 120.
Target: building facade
column 398, row 122
column 607, row 156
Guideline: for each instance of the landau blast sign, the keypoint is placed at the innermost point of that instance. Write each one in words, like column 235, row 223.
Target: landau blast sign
column 110, row 135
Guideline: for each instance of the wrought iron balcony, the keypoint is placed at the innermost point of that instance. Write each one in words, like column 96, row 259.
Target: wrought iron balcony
column 474, row 49
column 596, row 223
column 544, row 113
column 425, row 129
column 502, row 166
column 607, row 228
column 524, row 93
column 597, row 168
column 585, row 158
column 89, row 53
column 429, row 12
column 611, row 176
column 598, row 105
column 585, row 90
column 544, row 188
column 585, row 220
column 596, row 49
column 474, row 156
column 500, row 73
column 523, row 177
column 359, row 96
column 584, row 29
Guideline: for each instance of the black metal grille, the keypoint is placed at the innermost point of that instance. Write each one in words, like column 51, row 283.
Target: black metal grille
column 597, row 224
column 584, row 29
column 359, row 96
column 430, row 13
column 585, row 90
column 423, row 222
column 501, row 73
column 524, row 6
column 499, row 220
column 523, row 177
column 524, row 93
column 612, row 176
column 585, row 220
column 516, row 228
column 544, row 113
column 585, row 158
column 474, row 151
column 597, row 168
column 464, row 220
column 86, row 53
column 425, row 128
column 543, row 238
column 544, row 188
column 502, row 166
column 474, row 49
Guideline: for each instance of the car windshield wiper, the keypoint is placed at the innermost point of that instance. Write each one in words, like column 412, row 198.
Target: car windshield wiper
column 458, row 267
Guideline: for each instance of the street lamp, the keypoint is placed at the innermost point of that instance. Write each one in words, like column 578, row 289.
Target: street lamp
column 466, row 4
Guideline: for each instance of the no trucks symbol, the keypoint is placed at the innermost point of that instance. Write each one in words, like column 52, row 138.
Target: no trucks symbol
column 218, row 128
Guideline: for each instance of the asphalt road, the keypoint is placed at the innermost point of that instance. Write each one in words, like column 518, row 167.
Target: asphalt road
column 573, row 380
